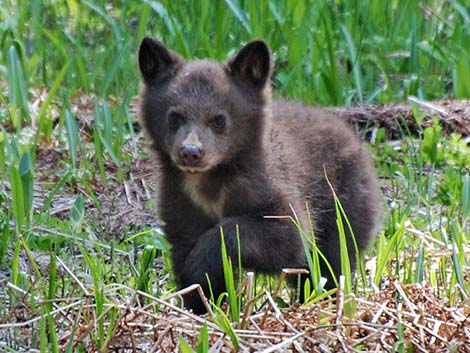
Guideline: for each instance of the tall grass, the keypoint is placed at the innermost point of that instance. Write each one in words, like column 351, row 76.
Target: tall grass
column 351, row 52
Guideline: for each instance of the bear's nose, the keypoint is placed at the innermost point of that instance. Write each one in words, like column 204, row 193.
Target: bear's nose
column 191, row 155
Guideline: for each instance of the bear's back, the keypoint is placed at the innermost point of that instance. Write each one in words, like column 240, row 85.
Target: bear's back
column 305, row 146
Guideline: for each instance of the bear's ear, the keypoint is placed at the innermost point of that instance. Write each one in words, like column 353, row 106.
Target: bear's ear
column 252, row 64
column 157, row 62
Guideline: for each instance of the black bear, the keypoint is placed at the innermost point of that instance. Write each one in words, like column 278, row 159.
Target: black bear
column 228, row 157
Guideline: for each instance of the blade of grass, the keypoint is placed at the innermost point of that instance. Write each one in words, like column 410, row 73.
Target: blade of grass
column 461, row 77
column 385, row 254
column 457, row 267
column 105, row 130
column 184, row 346
column 53, row 91
column 27, row 175
column 93, row 264
column 224, row 323
column 17, row 87
column 466, row 195
column 54, row 191
column 73, row 138
column 5, row 239
column 111, row 70
column 77, row 213
column 15, row 263
column 332, row 78
column 353, row 55
column 54, row 343
column 103, row 14
column 419, row 274
column 203, row 342
column 17, row 196
column 144, row 282
column 240, row 14
column 229, row 281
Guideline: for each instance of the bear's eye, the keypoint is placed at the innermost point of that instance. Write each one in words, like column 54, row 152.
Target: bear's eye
column 175, row 120
column 219, row 122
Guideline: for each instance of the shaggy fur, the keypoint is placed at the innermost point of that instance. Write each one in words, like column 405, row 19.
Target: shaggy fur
column 228, row 157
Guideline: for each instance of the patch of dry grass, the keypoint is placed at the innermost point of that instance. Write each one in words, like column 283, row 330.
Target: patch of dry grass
column 429, row 324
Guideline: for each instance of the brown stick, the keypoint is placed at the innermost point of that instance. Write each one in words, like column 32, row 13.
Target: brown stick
column 453, row 115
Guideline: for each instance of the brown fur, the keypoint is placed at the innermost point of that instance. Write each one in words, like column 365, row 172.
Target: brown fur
column 262, row 159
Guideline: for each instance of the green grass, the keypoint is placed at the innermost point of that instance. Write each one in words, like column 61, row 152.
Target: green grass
column 351, row 52
column 68, row 70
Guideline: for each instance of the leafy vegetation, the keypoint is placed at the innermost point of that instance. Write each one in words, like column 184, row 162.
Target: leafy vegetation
column 76, row 231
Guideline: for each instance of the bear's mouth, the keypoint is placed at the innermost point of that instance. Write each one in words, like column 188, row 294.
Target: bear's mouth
column 194, row 170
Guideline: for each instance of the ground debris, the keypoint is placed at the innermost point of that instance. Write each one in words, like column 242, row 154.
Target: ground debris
column 149, row 324
column 453, row 115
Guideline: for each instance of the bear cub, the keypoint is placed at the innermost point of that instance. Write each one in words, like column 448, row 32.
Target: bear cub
column 228, row 158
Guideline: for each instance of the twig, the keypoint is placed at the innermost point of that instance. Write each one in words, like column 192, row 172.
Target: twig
column 428, row 105
column 75, row 278
column 190, row 289
column 288, row 341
